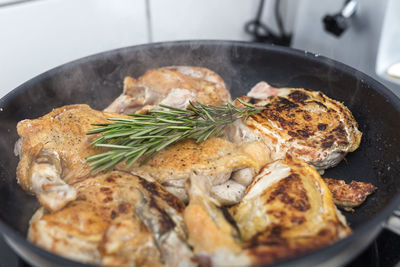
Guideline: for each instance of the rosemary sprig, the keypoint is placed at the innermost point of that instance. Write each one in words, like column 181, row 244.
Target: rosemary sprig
column 143, row 135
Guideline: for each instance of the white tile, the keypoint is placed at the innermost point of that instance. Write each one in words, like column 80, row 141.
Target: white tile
column 207, row 19
column 357, row 46
column 40, row 35
column 4, row 2
column 388, row 51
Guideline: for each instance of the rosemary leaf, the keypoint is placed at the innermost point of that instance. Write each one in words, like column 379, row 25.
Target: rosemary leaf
column 111, row 146
column 143, row 135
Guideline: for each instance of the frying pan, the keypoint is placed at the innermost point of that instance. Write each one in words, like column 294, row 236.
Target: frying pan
column 97, row 80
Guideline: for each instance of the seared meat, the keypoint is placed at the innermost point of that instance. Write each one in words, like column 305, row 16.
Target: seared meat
column 287, row 210
column 127, row 241
column 117, row 219
column 74, row 232
column 52, row 152
column 136, row 216
column 214, row 239
column 215, row 158
column 54, row 148
column 306, row 124
column 167, row 85
column 349, row 196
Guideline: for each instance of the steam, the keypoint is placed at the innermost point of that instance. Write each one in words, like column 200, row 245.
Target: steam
column 97, row 80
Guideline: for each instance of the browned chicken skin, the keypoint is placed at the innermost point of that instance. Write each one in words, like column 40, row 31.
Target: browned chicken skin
column 349, row 196
column 214, row 239
column 52, row 152
column 122, row 218
column 117, row 219
column 54, row 148
column 215, row 158
column 306, row 124
column 287, row 210
column 156, row 85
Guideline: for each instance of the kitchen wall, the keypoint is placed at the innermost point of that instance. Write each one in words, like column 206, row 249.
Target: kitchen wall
column 38, row 35
column 369, row 44
column 210, row 19
column 189, row 19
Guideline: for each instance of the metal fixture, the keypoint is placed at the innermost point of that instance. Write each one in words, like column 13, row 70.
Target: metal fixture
column 338, row 23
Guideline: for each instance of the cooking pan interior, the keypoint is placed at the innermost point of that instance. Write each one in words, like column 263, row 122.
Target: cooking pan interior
column 97, row 80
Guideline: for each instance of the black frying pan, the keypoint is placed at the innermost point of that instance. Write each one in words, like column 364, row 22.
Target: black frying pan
column 97, row 80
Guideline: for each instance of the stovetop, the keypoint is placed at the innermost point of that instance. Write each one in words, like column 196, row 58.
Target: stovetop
column 383, row 252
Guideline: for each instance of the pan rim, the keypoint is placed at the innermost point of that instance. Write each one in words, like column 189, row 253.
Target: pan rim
column 363, row 229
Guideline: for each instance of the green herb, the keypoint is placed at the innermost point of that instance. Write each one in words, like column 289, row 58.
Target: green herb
column 143, row 135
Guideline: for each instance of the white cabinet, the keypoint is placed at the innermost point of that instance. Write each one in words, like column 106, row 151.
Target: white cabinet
column 206, row 19
column 36, row 36
column 39, row 35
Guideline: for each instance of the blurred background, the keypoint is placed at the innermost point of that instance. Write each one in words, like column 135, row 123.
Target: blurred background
column 37, row 35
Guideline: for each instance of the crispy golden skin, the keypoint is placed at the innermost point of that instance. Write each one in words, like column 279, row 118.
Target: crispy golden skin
column 155, row 85
column 54, row 148
column 349, row 196
column 208, row 229
column 117, row 219
column 306, row 124
column 214, row 239
column 52, row 152
column 287, row 210
column 215, row 158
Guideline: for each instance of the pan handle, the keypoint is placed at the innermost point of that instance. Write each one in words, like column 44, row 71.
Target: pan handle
column 393, row 223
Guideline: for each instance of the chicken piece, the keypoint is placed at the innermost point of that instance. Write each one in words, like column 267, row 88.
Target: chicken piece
column 74, row 232
column 52, row 152
column 127, row 241
column 117, row 219
column 174, row 86
column 228, row 193
column 349, row 196
column 215, row 158
column 306, row 124
column 214, row 238
column 287, row 210
column 53, row 149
